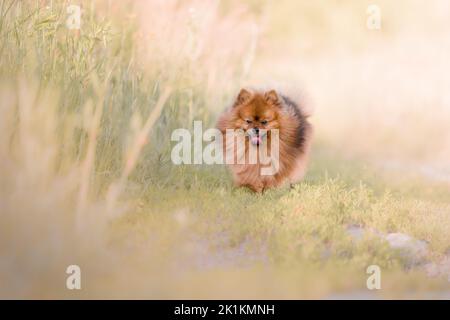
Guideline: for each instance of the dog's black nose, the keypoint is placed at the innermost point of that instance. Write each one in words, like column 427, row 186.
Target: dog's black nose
column 256, row 130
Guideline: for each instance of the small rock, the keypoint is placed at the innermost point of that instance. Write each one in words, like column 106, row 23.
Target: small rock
column 403, row 241
column 412, row 249
column 356, row 232
column 398, row 240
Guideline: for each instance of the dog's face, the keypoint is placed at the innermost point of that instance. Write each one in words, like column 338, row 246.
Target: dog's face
column 257, row 113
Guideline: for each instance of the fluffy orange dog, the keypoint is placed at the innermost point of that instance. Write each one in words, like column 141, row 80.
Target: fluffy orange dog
column 256, row 113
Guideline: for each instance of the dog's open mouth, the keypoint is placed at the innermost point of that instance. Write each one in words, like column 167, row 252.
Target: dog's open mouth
column 256, row 140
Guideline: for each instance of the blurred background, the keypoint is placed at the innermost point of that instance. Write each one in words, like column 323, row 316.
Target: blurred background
column 86, row 115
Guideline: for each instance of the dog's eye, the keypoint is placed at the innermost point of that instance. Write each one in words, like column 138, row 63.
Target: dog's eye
column 264, row 122
column 248, row 121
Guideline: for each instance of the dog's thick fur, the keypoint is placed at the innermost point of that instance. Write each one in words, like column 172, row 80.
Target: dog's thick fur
column 269, row 110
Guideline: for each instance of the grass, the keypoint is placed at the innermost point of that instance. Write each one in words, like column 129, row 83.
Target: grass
column 291, row 237
column 86, row 175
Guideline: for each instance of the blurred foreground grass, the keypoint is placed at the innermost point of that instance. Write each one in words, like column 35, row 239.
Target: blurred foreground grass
column 86, row 176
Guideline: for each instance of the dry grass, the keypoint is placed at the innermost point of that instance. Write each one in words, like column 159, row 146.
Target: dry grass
column 85, row 170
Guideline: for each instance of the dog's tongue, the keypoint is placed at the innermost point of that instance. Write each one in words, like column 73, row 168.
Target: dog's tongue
column 255, row 140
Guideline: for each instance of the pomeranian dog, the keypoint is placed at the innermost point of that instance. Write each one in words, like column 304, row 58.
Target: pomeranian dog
column 258, row 114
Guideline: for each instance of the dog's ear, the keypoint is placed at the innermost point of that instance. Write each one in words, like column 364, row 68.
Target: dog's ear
column 243, row 96
column 271, row 97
